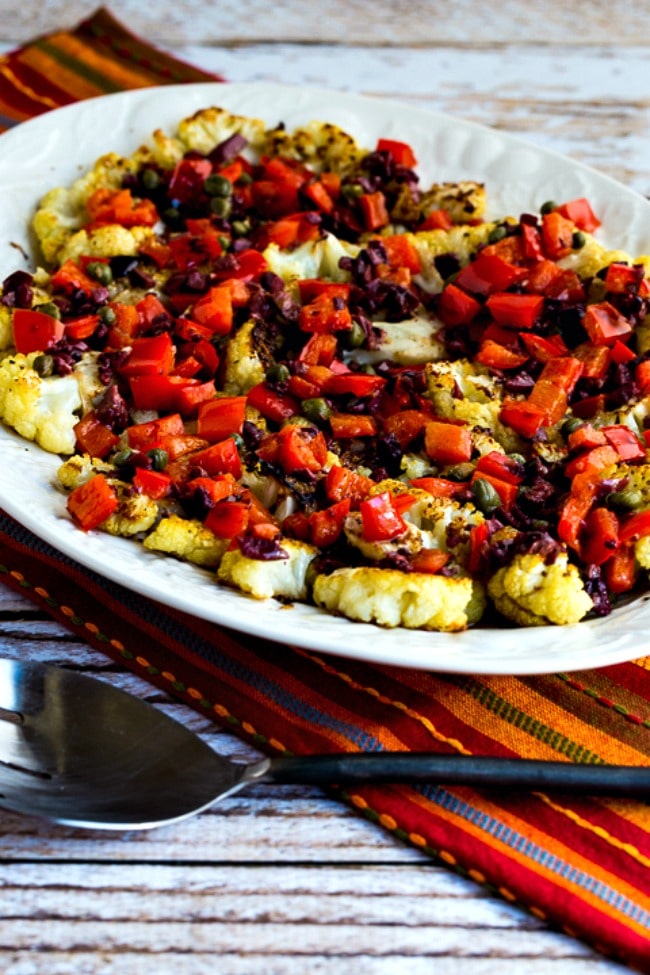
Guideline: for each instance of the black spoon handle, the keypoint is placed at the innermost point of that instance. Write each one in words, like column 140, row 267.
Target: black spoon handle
column 511, row 773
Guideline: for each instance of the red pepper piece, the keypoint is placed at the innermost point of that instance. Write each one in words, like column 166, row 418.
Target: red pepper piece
column 437, row 220
column 500, row 466
column 579, row 212
column 620, row 571
column 341, row 482
column 625, row 441
column 595, row 359
column 635, row 526
column 515, row 310
column 155, row 484
column 107, row 206
column 141, row 436
column 488, row 274
column 557, row 235
column 496, row 356
column 524, row 417
column 402, row 252
column 219, row 418
column 272, row 404
column 601, row 536
column 506, row 490
column 324, row 314
column 401, row 152
column 542, row 347
column 642, row 376
column 160, row 393
column 214, row 310
column 586, row 437
column 227, row 519
column 35, row 331
column 92, row 502
column 447, row 443
column 457, row 307
column 353, row 383
column 406, row 425
column 381, row 521
column 69, row 278
column 373, row 209
column 82, row 327
column 325, row 526
column 604, row 324
column 592, row 461
column 429, row 560
column 94, row 437
column 150, row 356
column 350, row 425
column 439, row 487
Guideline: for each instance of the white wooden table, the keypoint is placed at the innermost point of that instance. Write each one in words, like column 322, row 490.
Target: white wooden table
column 287, row 881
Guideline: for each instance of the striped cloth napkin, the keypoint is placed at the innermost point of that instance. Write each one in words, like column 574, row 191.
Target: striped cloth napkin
column 579, row 864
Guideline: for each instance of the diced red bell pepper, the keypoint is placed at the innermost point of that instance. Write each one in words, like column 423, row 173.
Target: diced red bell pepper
column 374, row 211
column 509, row 249
column 437, row 220
column 325, row 314
column 359, row 384
column 531, row 243
column 506, row 337
column 157, row 251
column 542, row 275
column 478, row 536
column 625, row 441
column 272, row 404
column 406, row 425
column 624, row 278
column 70, row 278
column 402, row 252
column 107, row 206
column 296, row 525
column 221, row 417
column 592, row 461
column 161, row 393
column 557, row 235
column 601, row 537
column 429, row 560
column 439, row 487
column 341, row 482
column 34, row 331
column 488, row 274
column 325, row 526
column 550, row 398
column 94, row 437
column 186, row 183
column 214, row 310
column 586, row 437
column 92, row 502
column 543, row 347
column 620, row 571
column 567, row 286
column 642, row 376
column 573, row 515
column 141, row 435
column 500, row 466
column 595, row 359
column 457, row 307
column 151, row 312
column 81, row 328
column 273, row 199
column 563, row 371
column 380, row 520
column 447, row 443
column 301, row 450
column 579, row 212
column 319, row 350
column 190, row 397
column 227, row 519
column 515, row 310
column 496, row 356
column 522, row 416
column 179, row 444
column 317, row 193
column 635, row 526
column 622, row 353
column 155, row 484
column 125, row 326
column 589, row 406
column 506, row 490
column 401, row 152
column 347, row 426
column 311, row 288
column 219, row 458
column 150, row 356
column 604, row 324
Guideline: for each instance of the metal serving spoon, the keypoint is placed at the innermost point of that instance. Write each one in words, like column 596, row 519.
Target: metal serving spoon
column 77, row 751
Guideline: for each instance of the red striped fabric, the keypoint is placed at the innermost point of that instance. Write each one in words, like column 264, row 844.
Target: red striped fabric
column 580, row 864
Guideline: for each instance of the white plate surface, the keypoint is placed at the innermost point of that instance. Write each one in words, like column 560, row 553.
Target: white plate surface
column 57, row 147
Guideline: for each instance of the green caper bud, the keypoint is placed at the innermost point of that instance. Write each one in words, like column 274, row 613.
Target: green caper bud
column 548, row 207
column 245, row 178
column 150, row 179
column 597, row 290
column 217, row 185
column 352, row 191
column 578, row 240
column 459, row 472
column 354, row 337
column 277, row 373
column 518, row 458
column 220, row 206
column 159, row 458
column 107, row 315
column 571, row 425
column 49, row 308
column 224, row 241
column 626, row 500
column 497, row 234
column 100, row 272
column 122, row 457
column 240, row 227
column 317, row 409
column 44, row 365
column 172, row 215
column 486, row 496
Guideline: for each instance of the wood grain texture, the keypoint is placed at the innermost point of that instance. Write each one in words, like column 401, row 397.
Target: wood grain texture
column 279, row 880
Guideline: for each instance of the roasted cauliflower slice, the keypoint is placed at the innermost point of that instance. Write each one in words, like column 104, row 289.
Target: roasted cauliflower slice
column 412, row 342
column 391, row 598
column 243, row 362
column 283, row 578
column 464, row 201
column 187, row 539
column 316, row 258
column 209, row 127
column 531, row 592
column 321, row 145
column 41, row 409
column 111, row 240
column 461, row 241
column 80, row 468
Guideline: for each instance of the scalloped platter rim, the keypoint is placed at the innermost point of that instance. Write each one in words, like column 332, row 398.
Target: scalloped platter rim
column 519, row 176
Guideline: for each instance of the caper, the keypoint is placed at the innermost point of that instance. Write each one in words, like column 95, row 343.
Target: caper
column 159, row 458
column 172, row 215
column 597, row 290
column 245, row 178
column 354, row 337
column 628, row 499
column 217, row 185
column 43, row 365
column 220, row 206
column 352, row 191
column 224, row 241
column 517, row 458
column 486, row 496
column 277, row 373
column 571, row 425
column 100, row 272
column 578, row 240
column 497, row 234
column 459, row 472
column 317, row 409
column 49, row 308
column 123, row 457
column 240, row 227
column 150, row 179
column 107, row 315
column 548, row 207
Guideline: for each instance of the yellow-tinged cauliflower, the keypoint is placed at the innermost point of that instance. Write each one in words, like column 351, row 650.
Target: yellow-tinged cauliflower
column 111, row 240
column 41, row 409
column 391, row 598
column 531, row 593
column 321, row 145
column 412, row 342
column 284, row 578
column 642, row 552
column 187, row 539
column 462, row 242
column 135, row 513
column 80, row 468
column 463, row 390
column 316, row 258
column 637, row 482
column 243, row 362
column 464, row 201
column 209, row 127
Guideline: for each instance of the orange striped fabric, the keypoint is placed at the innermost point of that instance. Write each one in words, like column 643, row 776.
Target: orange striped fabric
column 580, row 864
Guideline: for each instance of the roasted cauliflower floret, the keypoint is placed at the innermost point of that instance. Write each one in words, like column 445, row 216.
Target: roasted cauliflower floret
column 40, row 409
column 285, row 578
column 462, row 242
column 187, row 539
column 392, row 598
column 412, row 342
column 209, row 127
column 80, row 468
column 243, row 363
column 111, row 240
column 463, row 391
column 637, row 482
column 464, row 201
column 321, row 145
column 135, row 513
column 642, row 552
column 531, row 592
column 315, row 258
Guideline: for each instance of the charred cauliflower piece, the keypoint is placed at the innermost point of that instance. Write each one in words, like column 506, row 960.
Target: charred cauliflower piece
column 244, row 365
column 80, row 468
column 284, row 578
column 187, row 539
column 464, row 201
column 41, row 409
column 320, row 145
column 317, row 258
column 209, row 127
column 412, row 342
column 391, row 598
column 461, row 241
column 531, row 593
